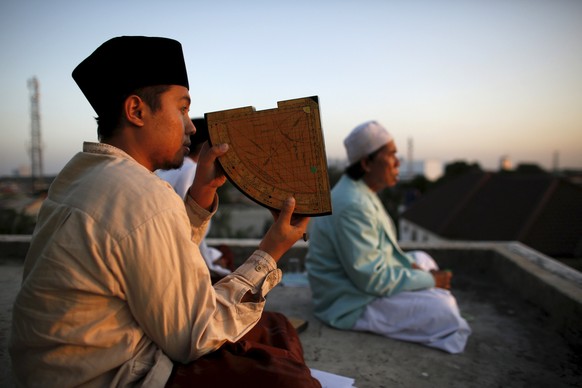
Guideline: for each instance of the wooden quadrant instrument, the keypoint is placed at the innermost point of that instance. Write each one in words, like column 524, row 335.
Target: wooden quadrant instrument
column 275, row 153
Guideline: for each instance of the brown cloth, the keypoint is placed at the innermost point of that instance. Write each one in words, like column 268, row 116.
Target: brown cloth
column 270, row 355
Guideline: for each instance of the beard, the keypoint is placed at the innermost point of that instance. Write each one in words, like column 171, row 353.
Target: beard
column 174, row 164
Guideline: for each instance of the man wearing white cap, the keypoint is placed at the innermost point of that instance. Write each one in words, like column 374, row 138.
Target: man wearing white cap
column 359, row 276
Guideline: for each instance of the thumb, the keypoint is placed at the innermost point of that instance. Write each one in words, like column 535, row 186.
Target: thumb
column 287, row 211
column 210, row 153
column 218, row 150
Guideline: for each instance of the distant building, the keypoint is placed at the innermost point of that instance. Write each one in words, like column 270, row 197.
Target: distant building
column 22, row 171
column 540, row 210
column 505, row 163
column 431, row 169
column 339, row 163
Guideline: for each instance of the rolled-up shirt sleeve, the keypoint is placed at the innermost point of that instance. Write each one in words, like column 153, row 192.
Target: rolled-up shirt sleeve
column 199, row 218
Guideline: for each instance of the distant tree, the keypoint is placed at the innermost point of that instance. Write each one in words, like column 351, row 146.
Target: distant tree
column 225, row 192
column 457, row 168
column 334, row 174
column 412, row 190
column 221, row 224
column 419, row 183
column 392, row 198
column 529, row 168
column 460, row 167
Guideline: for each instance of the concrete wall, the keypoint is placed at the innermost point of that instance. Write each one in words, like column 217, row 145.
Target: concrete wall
column 554, row 287
column 14, row 247
column 409, row 231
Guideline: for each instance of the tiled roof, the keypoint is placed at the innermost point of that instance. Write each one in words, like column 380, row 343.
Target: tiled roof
column 540, row 210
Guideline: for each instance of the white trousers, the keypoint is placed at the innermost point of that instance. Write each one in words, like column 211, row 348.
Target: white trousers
column 430, row 317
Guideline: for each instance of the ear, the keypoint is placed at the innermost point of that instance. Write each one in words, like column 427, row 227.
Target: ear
column 365, row 163
column 133, row 110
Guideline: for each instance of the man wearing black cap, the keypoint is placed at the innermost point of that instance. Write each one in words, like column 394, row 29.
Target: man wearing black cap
column 111, row 295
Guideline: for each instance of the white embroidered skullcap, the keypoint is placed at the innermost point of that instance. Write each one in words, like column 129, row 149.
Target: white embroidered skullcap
column 365, row 139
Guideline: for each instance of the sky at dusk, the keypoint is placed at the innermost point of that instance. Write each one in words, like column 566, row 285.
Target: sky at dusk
column 465, row 80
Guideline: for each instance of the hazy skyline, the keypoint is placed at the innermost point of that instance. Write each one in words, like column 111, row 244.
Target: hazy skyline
column 466, row 80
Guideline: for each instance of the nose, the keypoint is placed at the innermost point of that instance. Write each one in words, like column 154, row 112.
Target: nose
column 190, row 128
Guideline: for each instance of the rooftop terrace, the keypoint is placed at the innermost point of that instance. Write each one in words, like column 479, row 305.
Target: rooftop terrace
column 525, row 311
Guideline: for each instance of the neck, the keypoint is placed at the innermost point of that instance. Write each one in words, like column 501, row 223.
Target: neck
column 373, row 185
column 129, row 145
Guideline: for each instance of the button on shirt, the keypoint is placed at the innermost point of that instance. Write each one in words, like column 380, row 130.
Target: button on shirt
column 114, row 287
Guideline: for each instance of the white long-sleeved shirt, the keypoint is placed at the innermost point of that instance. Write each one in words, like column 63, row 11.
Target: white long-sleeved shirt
column 111, row 293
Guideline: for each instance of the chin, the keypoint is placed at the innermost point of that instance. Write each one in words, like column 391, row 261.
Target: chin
column 178, row 164
column 393, row 182
column 174, row 165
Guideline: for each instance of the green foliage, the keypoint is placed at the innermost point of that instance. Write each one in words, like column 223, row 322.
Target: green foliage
column 460, row 167
column 225, row 192
column 221, row 224
column 529, row 168
column 334, row 174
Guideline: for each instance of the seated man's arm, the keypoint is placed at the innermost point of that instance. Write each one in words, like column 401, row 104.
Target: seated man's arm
column 368, row 256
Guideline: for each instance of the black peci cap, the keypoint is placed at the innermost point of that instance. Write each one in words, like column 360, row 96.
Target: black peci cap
column 126, row 63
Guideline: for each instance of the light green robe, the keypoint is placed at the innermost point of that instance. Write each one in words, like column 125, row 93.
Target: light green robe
column 354, row 257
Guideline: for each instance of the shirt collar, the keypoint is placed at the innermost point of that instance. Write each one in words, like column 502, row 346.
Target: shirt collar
column 105, row 149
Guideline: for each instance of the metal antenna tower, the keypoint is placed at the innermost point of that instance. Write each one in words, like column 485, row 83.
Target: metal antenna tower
column 409, row 165
column 35, row 146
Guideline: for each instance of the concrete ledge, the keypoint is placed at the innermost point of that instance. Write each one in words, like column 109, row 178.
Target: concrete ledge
column 550, row 285
column 554, row 287
column 538, row 279
column 534, row 276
